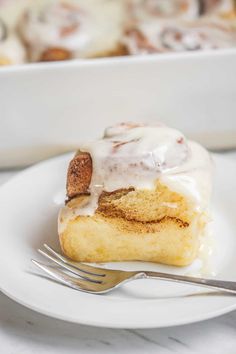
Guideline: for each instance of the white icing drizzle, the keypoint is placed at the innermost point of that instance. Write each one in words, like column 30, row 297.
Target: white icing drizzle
column 138, row 156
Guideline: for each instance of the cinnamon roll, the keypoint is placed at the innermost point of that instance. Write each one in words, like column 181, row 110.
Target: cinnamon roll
column 68, row 29
column 139, row 193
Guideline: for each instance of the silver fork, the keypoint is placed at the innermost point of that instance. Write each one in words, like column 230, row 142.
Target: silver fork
column 98, row 280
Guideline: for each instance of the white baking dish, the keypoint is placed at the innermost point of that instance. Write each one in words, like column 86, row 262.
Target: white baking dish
column 49, row 108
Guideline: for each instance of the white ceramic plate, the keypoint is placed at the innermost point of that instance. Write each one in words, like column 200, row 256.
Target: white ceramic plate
column 29, row 205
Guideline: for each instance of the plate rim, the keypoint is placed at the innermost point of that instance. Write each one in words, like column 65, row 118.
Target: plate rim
column 196, row 319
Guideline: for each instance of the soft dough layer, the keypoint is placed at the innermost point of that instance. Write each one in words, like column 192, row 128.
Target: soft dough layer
column 158, row 226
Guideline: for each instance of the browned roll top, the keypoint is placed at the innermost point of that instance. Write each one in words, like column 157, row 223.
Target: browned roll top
column 79, row 175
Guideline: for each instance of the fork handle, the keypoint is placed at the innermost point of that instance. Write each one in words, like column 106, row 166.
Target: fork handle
column 228, row 286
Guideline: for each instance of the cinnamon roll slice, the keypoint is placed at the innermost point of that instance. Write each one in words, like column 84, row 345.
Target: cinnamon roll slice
column 140, row 193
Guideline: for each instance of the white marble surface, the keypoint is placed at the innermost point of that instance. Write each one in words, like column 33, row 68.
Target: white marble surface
column 23, row 331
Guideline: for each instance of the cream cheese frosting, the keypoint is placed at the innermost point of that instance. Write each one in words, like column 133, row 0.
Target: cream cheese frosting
column 139, row 156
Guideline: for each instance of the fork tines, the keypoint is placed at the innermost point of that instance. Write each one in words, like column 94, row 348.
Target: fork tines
column 80, row 276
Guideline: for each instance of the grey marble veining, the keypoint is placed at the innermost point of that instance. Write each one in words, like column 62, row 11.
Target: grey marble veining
column 23, row 331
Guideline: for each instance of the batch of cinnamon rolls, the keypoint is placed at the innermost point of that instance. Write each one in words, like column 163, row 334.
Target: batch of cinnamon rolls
column 52, row 30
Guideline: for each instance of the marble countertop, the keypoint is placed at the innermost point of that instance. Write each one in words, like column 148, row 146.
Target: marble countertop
column 23, row 331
